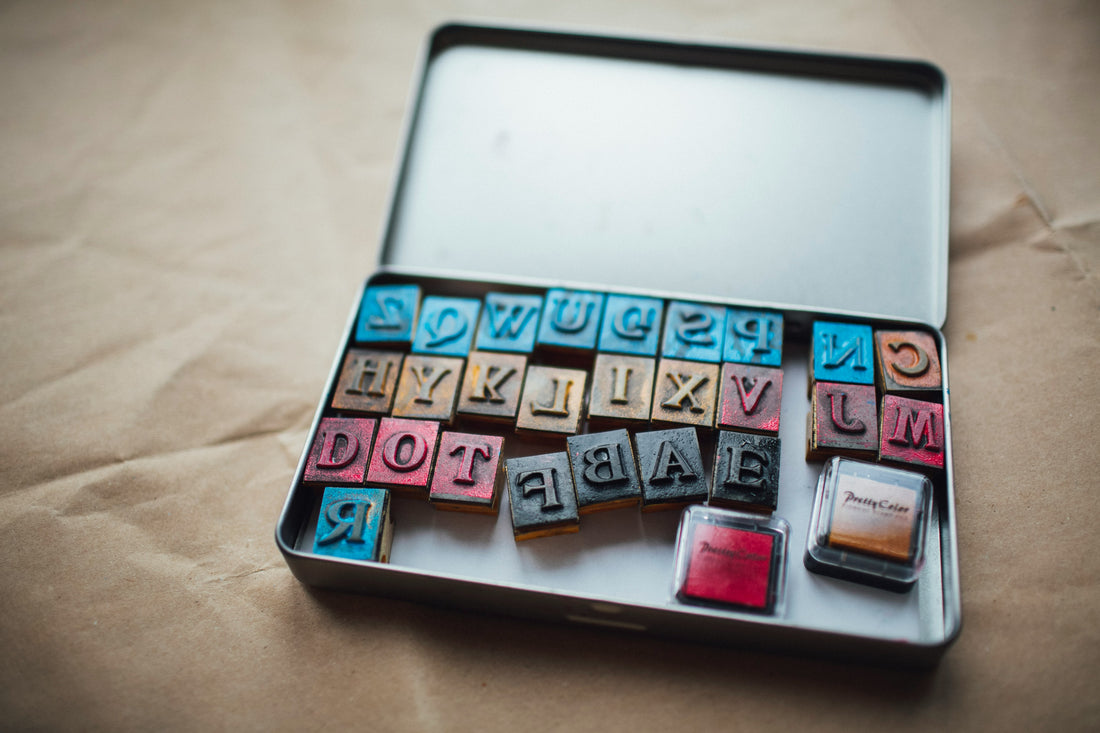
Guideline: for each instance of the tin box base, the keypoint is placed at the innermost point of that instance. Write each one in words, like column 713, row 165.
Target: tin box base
column 831, row 203
column 617, row 570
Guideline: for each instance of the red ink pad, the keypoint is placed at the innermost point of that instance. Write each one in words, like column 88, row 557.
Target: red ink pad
column 732, row 559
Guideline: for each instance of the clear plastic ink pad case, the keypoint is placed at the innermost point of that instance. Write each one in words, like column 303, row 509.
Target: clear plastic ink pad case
column 732, row 560
column 869, row 524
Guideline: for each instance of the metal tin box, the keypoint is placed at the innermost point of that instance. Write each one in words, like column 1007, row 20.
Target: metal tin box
column 814, row 185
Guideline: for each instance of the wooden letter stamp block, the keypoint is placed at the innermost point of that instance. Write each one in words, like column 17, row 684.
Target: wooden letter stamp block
column 354, row 524
column 552, row 400
column 843, row 421
column 622, row 390
column 842, row 352
column 753, row 337
column 492, row 386
column 604, row 472
column 428, row 387
column 670, row 466
column 685, row 393
column 631, row 325
column 340, row 450
column 912, row 432
column 387, row 315
column 403, row 454
column 446, row 326
column 908, row 363
column 466, row 475
column 368, row 381
column 694, row 331
column 541, row 496
column 746, row 471
column 750, row 398
column 570, row 319
column 509, row 322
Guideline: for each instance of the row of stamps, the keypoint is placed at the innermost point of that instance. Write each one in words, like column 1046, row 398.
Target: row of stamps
column 656, row 470
column 400, row 316
column 619, row 390
column 894, row 416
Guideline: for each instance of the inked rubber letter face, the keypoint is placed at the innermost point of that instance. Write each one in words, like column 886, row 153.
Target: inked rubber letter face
column 541, row 495
column 631, row 325
column 446, row 326
column 340, row 450
column 351, row 522
column 753, row 337
column 750, row 398
column 571, row 319
column 509, row 322
column 428, row 387
column 843, row 353
column 694, row 332
column 387, row 314
column 404, row 452
column 670, row 466
column 685, row 392
column 492, row 384
column 604, row 470
column 912, row 432
column 908, row 363
column 552, row 400
column 466, row 471
column 622, row 388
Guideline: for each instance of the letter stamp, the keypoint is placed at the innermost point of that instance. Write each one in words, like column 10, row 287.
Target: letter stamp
column 605, row 475
column 746, row 471
column 354, row 524
column 541, row 496
column 753, row 337
column 552, row 400
column 842, row 352
column 622, row 390
column 912, row 432
column 509, row 322
column 446, row 326
column 340, row 450
column 368, row 381
column 570, row 319
column 750, row 398
column 403, row 454
column 908, row 363
column 843, row 421
column 466, row 476
column 387, row 315
column 670, row 467
column 685, row 393
column 428, row 388
column 694, row 331
column 491, row 386
column 631, row 325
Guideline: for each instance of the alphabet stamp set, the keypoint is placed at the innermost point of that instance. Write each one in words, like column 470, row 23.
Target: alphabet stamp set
column 541, row 409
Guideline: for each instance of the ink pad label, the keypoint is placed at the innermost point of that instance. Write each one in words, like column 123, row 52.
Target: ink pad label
column 874, row 517
column 730, row 565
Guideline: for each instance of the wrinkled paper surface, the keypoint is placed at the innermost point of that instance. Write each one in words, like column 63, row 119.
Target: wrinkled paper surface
column 191, row 193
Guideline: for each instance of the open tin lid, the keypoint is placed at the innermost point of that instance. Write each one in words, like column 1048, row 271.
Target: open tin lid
column 795, row 180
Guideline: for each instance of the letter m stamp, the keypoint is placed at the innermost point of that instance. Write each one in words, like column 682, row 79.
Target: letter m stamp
column 912, row 432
